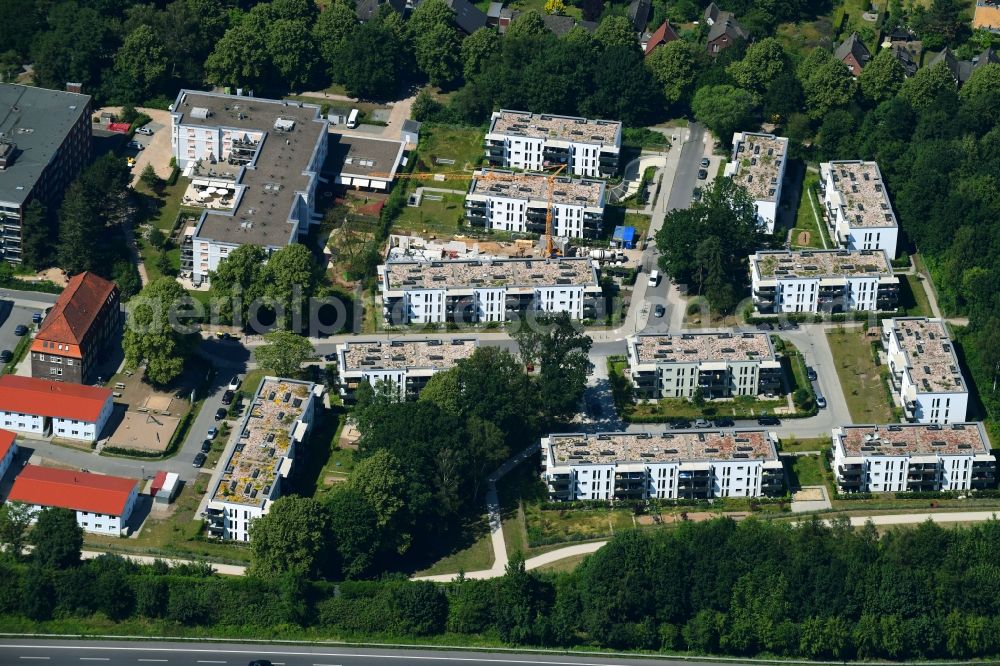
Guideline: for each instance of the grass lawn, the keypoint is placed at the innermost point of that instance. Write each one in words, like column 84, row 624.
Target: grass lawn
column 364, row 108
column 161, row 212
column 564, row 565
column 641, row 224
column 539, row 6
column 442, row 217
column 859, row 377
column 792, row 444
column 912, row 297
column 807, row 471
column 809, row 230
column 446, row 150
column 476, row 557
column 678, row 408
column 805, row 36
column 561, row 526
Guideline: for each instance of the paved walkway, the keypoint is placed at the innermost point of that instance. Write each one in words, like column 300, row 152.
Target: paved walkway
column 225, row 569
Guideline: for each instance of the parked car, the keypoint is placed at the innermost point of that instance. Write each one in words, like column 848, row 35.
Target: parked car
column 659, row 311
column 820, row 401
column 234, row 383
column 769, row 421
column 329, row 357
column 37, row 318
column 765, row 326
column 20, row 329
column 696, row 194
column 811, row 373
column 212, row 432
column 702, row 174
column 787, row 326
column 131, row 162
column 144, row 130
column 220, row 414
column 135, row 145
column 702, row 423
column 206, row 446
column 680, row 425
column 724, row 422
column 5, row 356
column 199, row 460
column 705, row 162
column 227, row 397
column 260, row 662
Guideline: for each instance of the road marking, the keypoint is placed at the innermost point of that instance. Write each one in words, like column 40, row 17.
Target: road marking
column 94, row 659
column 152, row 660
column 210, row 661
column 35, row 657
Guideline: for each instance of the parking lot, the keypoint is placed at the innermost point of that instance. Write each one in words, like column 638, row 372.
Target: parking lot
column 11, row 315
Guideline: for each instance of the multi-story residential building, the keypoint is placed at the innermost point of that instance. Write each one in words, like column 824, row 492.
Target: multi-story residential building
column 758, row 164
column 103, row 503
column 8, row 450
column 363, row 163
column 670, row 465
column 407, row 364
column 43, row 407
column 77, row 330
column 533, row 141
column 858, row 212
column 274, row 148
column 44, row 143
column 722, row 365
column 478, row 290
column 823, row 281
column 276, row 422
column 507, row 201
column 913, row 457
column 924, row 370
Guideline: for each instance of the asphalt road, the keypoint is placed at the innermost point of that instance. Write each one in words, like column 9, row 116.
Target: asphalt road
column 109, row 653
column 12, row 314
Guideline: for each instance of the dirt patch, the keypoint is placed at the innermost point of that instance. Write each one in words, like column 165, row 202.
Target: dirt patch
column 803, row 238
column 332, row 479
column 144, row 430
column 693, row 516
column 349, row 436
column 54, row 275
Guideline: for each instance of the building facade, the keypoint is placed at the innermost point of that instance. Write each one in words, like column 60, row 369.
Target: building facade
column 42, row 407
column 758, row 164
column 924, row 370
column 785, row 281
column 533, row 142
column 45, row 141
column 519, row 203
column 478, row 290
column 260, row 455
column 913, row 457
column 670, row 465
column 76, row 332
column 856, row 206
column 721, row 365
column 103, row 503
column 407, row 364
column 8, row 450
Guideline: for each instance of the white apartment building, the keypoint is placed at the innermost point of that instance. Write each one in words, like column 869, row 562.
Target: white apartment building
column 261, row 456
column 858, row 212
column 924, row 370
column 669, row 465
column 408, row 364
column 508, row 201
column 536, row 141
column 103, row 503
column 912, row 457
column 758, row 164
column 822, row 281
column 721, row 364
column 42, row 407
column 270, row 152
column 479, row 290
column 8, row 450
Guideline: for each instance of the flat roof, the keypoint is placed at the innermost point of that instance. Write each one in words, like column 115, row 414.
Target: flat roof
column 820, row 263
column 903, row 439
column 863, row 199
column 283, row 165
column 676, row 446
column 481, row 273
column 265, row 437
column 70, row 489
column 359, row 156
column 404, row 354
column 560, row 128
column 36, row 120
column 758, row 160
column 930, row 354
column 693, row 347
column 535, row 187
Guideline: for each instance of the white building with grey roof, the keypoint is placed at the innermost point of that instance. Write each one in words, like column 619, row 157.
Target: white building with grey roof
column 670, row 465
column 856, row 205
column 758, row 164
column 720, row 364
column 784, row 281
column 912, row 457
column 518, row 202
column 408, row 364
column 536, row 141
column 495, row 290
column 924, row 370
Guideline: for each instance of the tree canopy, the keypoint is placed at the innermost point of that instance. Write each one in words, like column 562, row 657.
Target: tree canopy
column 156, row 335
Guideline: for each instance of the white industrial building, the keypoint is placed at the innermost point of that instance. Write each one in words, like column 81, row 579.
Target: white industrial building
column 43, row 408
column 475, row 290
column 924, row 370
column 858, row 212
column 408, row 364
column 513, row 202
column 277, row 420
column 536, row 141
column 785, row 281
column 721, row 364
column 758, row 164
column 670, row 465
column 912, row 457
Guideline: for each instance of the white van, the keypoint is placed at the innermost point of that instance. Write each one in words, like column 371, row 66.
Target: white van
column 654, row 278
column 352, row 120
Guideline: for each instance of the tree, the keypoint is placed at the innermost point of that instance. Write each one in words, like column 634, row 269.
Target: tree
column 335, row 26
column 555, row 7
column 527, row 24
column 78, row 229
column 292, row 52
column 478, row 49
column 438, row 53
column 927, row 87
column 673, row 66
column 443, row 390
column 150, row 179
column 57, row 538
column 237, row 280
column 293, row 537
column 376, row 54
column 615, row 31
column 355, row 528
column 380, row 479
column 284, row 353
column 561, row 350
column 290, row 277
column 980, row 95
column 763, row 62
column 241, row 57
column 941, row 24
column 15, row 518
column 826, row 83
column 783, row 98
column 723, row 109
column 143, row 58
column 882, row 77
column 125, row 274
column 592, row 9
column 36, row 235
column 154, row 333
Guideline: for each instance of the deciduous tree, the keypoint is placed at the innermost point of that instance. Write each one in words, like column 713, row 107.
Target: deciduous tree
column 155, row 334
column 293, row 537
column 283, row 353
column 57, row 538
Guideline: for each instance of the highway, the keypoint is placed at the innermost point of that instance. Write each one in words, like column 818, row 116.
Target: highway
column 111, row 653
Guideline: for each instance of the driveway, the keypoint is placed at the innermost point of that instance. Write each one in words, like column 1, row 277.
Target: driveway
column 12, row 314
column 157, row 149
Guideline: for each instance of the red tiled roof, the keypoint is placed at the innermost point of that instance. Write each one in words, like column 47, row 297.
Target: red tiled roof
column 665, row 33
column 69, row 489
column 6, row 442
column 27, row 395
column 78, row 305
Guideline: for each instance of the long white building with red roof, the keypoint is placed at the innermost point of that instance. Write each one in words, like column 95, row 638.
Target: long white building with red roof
column 103, row 504
column 8, row 450
column 41, row 407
